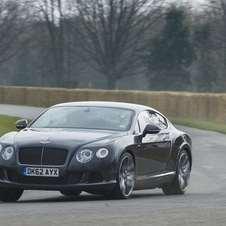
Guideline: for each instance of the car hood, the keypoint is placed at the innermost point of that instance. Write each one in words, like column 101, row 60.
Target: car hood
column 62, row 137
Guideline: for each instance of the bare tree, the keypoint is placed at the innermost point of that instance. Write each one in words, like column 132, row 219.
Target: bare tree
column 41, row 63
column 12, row 18
column 217, row 16
column 111, row 34
column 55, row 14
column 51, row 11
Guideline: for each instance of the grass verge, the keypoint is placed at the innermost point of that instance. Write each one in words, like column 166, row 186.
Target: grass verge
column 7, row 124
column 200, row 124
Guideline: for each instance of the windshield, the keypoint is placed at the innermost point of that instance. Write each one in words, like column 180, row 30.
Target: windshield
column 106, row 118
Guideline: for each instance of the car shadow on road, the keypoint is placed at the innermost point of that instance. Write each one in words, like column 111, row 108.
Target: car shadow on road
column 88, row 197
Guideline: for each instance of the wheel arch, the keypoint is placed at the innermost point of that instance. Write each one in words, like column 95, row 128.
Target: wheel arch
column 131, row 153
column 188, row 150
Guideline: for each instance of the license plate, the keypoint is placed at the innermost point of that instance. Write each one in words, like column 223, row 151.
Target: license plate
column 40, row 172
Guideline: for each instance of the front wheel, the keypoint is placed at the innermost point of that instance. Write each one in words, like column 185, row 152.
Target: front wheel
column 10, row 194
column 182, row 177
column 125, row 178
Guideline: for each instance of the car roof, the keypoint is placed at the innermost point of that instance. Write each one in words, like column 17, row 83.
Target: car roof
column 132, row 106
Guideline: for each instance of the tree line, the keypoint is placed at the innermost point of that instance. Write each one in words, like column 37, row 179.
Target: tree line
column 114, row 44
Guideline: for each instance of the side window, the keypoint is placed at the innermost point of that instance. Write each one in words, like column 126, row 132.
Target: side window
column 137, row 128
column 144, row 119
column 161, row 121
column 151, row 117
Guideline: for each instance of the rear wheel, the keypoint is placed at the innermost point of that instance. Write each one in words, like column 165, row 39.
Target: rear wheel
column 10, row 194
column 125, row 178
column 70, row 192
column 182, row 177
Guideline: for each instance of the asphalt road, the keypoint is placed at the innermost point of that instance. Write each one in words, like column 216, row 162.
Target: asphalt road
column 20, row 111
column 203, row 204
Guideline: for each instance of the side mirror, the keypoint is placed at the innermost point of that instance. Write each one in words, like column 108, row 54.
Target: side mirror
column 151, row 129
column 21, row 124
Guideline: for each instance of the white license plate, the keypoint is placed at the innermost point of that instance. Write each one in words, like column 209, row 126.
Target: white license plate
column 41, row 172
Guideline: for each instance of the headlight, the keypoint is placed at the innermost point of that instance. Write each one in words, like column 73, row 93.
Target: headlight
column 102, row 153
column 7, row 153
column 84, row 156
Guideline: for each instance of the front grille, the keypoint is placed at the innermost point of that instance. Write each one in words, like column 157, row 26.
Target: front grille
column 69, row 178
column 1, row 174
column 42, row 156
column 95, row 178
column 12, row 175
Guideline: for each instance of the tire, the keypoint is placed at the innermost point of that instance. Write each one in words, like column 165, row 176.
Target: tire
column 70, row 192
column 182, row 177
column 125, row 178
column 10, row 194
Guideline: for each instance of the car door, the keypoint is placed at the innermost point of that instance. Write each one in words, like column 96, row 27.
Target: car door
column 155, row 148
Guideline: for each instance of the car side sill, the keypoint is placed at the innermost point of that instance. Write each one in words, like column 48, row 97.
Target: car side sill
column 155, row 177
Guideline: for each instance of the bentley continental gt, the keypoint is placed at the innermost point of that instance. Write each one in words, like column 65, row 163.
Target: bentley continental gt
column 98, row 147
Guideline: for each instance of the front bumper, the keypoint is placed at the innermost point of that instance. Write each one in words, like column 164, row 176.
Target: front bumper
column 83, row 181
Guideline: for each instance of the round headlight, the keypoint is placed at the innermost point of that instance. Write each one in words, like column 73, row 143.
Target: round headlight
column 102, row 153
column 84, row 156
column 7, row 153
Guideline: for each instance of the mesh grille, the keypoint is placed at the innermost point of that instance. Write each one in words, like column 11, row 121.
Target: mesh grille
column 95, row 178
column 30, row 156
column 1, row 174
column 42, row 156
column 12, row 175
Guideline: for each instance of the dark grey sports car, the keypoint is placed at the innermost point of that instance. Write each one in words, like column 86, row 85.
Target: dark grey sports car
column 106, row 148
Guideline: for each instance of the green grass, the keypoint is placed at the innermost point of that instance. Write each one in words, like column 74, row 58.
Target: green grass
column 7, row 124
column 200, row 124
